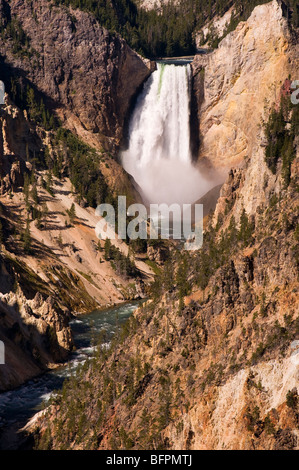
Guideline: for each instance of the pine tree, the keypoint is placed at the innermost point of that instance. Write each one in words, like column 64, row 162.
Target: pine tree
column 27, row 153
column 107, row 249
column 32, row 104
column 49, row 183
column 26, row 189
column 44, row 213
column 246, row 229
column 72, row 213
column 60, row 241
column 288, row 157
column 1, row 233
column 27, row 238
column 39, row 220
column 34, row 194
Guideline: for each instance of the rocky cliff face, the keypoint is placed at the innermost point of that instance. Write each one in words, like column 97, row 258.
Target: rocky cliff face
column 41, row 287
column 16, row 135
column 214, row 369
column 156, row 4
column 34, row 329
column 212, row 361
column 238, row 83
column 11, row 170
column 217, row 26
column 87, row 75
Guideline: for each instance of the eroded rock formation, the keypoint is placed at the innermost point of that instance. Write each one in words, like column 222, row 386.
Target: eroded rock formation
column 237, row 84
column 87, row 75
column 215, row 368
column 34, row 329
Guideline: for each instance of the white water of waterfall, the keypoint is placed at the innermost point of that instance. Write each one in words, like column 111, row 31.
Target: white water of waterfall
column 159, row 155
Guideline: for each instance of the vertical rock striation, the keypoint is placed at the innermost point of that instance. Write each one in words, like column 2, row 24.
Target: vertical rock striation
column 87, row 75
column 237, row 84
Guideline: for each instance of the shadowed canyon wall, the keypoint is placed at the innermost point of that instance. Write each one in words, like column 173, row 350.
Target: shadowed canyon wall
column 88, row 75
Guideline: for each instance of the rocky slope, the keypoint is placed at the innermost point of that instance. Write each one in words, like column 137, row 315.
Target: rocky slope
column 211, row 361
column 237, row 84
column 217, row 27
column 85, row 74
column 156, row 4
column 62, row 271
column 35, row 331
column 210, row 364
column 59, row 62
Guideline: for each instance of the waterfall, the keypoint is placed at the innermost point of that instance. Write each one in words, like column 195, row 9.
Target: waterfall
column 159, row 155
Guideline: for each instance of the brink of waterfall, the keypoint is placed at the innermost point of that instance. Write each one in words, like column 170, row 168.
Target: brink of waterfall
column 159, row 154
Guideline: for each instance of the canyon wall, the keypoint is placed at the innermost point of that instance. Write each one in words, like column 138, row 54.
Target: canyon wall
column 43, row 286
column 239, row 82
column 88, row 77
column 216, row 368
column 211, row 362
column 33, row 328
column 86, row 74
column 156, row 4
column 62, row 272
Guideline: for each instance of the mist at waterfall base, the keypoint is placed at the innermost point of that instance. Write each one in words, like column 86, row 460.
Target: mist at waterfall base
column 159, row 155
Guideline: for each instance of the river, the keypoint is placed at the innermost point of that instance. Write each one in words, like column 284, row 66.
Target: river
column 19, row 405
